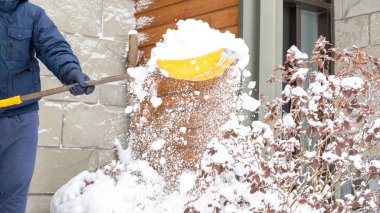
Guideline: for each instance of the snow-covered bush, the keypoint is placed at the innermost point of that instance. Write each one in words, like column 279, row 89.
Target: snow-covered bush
column 324, row 128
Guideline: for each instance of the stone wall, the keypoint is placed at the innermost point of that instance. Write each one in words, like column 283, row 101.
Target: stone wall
column 76, row 133
column 358, row 22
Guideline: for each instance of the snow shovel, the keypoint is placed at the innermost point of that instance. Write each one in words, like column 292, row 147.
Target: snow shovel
column 22, row 98
column 199, row 68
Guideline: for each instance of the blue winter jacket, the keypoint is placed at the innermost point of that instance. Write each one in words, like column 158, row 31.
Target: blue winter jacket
column 26, row 32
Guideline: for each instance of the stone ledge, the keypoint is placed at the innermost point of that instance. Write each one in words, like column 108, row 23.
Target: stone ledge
column 359, row 7
column 118, row 19
column 50, row 128
column 75, row 16
column 373, row 50
column 338, row 9
column 113, row 95
column 38, row 204
column 94, row 126
column 54, row 167
column 352, row 31
column 98, row 58
column 375, row 28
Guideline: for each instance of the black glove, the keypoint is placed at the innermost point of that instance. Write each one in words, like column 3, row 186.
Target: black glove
column 71, row 73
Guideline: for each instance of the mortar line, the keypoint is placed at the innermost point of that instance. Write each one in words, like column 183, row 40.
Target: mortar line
column 355, row 16
column 369, row 29
column 63, row 123
column 102, row 21
column 41, row 194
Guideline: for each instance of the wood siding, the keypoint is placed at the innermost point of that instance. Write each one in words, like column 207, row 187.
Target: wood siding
column 220, row 14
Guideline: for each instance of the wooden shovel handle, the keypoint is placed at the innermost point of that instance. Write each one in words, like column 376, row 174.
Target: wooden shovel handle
column 66, row 88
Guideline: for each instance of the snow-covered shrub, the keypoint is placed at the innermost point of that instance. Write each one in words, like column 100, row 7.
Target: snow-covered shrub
column 319, row 136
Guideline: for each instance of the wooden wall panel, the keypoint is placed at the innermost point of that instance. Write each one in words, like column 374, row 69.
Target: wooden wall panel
column 218, row 19
column 185, row 9
column 220, row 14
column 155, row 4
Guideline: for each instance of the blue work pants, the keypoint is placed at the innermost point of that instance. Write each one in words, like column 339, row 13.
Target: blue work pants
column 18, row 146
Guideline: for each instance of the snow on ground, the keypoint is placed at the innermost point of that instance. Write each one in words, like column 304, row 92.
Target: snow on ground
column 132, row 185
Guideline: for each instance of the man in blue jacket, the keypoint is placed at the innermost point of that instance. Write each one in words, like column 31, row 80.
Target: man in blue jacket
column 26, row 33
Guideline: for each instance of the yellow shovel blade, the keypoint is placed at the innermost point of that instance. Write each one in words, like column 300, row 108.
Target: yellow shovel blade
column 10, row 101
column 200, row 68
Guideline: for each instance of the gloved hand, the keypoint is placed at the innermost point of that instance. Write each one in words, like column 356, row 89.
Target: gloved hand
column 71, row 73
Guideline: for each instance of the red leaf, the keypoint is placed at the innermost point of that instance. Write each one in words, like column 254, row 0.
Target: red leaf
column 302, row 201
column 359, row 119
column 369, row 138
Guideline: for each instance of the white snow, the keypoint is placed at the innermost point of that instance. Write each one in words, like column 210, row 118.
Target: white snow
column 132, row 32
column 310, row 155
column 375, row 163
column 288, row 121
column 143, row 4
column 186, row 181
column 298, row 91
column 133, row 188
column 300, row 73
column 249, row 103
column 139, row 74
column 352, row 83
column 297, row 53
column 330, row 157
column 128, row 109
column 144, row 21
column 183, row 129
column 376, row 125
column 156, row 101
column 162, row 160
column 157, row 145
column 197, row 32
column 246, row 73
column 251, row 84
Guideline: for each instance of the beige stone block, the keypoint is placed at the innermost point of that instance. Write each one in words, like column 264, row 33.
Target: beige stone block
column 352, row 31
column 338, row 9
column 55, row 167
column 38, row 204
column 74, row 16
column 106, row 156
column 98, row 58
column 50, row 83
column 90, row 99
column 113, row 95
column 118, row 19
column 359, row 7
column 374, row 51
column 50, row 128
column 375, row 28
column 44, row 70
column 93, row 125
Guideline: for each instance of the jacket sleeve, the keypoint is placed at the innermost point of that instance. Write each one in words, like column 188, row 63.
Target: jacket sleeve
column 51, row 48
